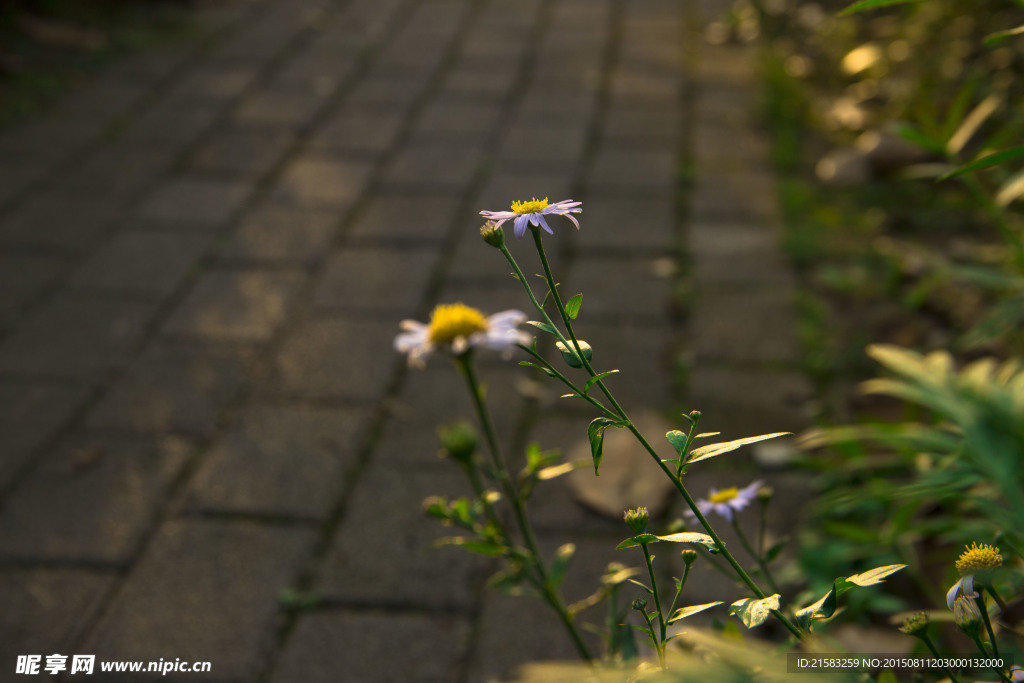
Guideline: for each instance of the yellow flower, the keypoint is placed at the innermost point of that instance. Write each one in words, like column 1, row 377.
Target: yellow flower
column 977, row 558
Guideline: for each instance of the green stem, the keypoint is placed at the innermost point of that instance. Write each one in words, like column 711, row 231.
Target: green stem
column 686, row 447
column 757, row 556
column 512, row 494
column 657, row 646
column 679, row 590
column 740, row 572
column 568, row 382
column 980, row 602
column 931, row 646
column 654, row 590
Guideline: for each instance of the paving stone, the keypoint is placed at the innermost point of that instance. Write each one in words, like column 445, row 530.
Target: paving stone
column 101, row 99
column 748, row 324
column 144, row 263
column 386, row 281
column 47, row 141
column 117, row 172
column 338, row 358
column 388, row 90
column 405, row 218
column 735, row 254
column 385, row 532
column 615, row 287
column 737, row 196
column 280, row 460
column 475, row 78
column 448, row 166
column 204, row 591
column 745, row 401
column 47, row 610
column 31, row 413
column 293, row 104
column 465, row 121
column 194, row 202
column 320, row 182
column 323, row 64
column 574, row 106
column 243, row 151
column 173, row 388
column 213, row 82
column 281, row 234
column 74, row 337
column 358, row 130
column 535, row 147
column 22, row 277
column 626, row 223
column 362, row 645
column 236, row 306
column 626, row 122
column 646, row 86
column 91, row 499
column 634, row 170
column 171, row 123
column 731, row 148
column 56, row 221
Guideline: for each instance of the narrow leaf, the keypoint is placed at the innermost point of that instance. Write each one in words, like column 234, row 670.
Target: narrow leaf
column 572, row 306
column 690, row 537
column 542, row 326
column 871, row 577
column 753, row 612
column 637, row 540
column 548, row 372
column 706, row 435
column 821, row 609
column 993, row 159
column 677, row 439
column 637, row 583
column 716, row 449
column 972, row 122
column 1011, row 189
column 684, row 612
column 596, row 433
column 595, row 379
column 559, row 470
column 922, row 140
column 561, row 562
column 872, row 4
column 994, row 39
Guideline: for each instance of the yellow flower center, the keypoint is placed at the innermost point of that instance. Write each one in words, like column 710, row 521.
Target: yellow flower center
column 450, row 321
column 725, row 495
column 978, row 558
column 533, row 206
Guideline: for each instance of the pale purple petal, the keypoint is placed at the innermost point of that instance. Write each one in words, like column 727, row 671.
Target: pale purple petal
column 544, row 223
column 951, row 595
column 520, row 225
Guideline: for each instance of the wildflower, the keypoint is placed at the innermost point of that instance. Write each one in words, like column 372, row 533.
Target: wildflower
column 492, row 234
column 976, row 559
column 1016, row 674
column 967, row 616
column 727, row 501
column 533, row 212
column 915, row 625
column 459, row 327
column 637, row 520
column 689, row 556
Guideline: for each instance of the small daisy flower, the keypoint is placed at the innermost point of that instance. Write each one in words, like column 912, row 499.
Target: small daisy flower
column 1016, row 674
column 976, row 559
column 726, row 502
column 459, row 327
column 533, row 212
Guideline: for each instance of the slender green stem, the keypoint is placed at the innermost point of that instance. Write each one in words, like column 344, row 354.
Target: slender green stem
column 931, row 646
column 654, row 590
column 654, row 639
column 691, row 435
column 980, row 602
column 568, row 382
column 679, row 590
column 512, row 494
column 996, row 596
column 985, row 655
column 757, row 556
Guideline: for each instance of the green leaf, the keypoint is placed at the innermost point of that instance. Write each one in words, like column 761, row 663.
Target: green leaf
column 715, row 449
column 872, row 577
column 753, row 612
column 642, row 585
column 561, row 562
column 558, row 470
column 993, row 159
column 684, row 612
column 689, row 537
column 706, row 435
column 595, row 379
column 572, row 306
column 596, row 433
column 486, row 548
column 821, row 609
column 972, row 122
column 542, row 326
column 922, row 140
column 637, row 540
column 774, row 551
column 872, row 4
column 887, row 676
column 547, row 371
column 677, row 439
column 994, row 39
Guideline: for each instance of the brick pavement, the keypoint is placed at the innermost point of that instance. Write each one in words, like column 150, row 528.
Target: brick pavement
column 204, row 254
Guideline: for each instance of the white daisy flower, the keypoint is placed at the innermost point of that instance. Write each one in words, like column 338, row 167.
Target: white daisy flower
column 533, row 212
column 459, row 327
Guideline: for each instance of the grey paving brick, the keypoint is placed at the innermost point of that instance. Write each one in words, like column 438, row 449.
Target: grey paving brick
column 407, row 218
column 449, row 166
column 381, row 280
column 481, row 79
column 615, row 287
column 101, row 99
column 46, row 610
column 281, row 234
column 235, row 306
column 90, row 499
column 721, row 146
column 31, row 413
column 737, row 196
column 573, row 106
column 194, row 202
column 56, row 221
column 46, row 141
column 171, row 123
column 748, row 324
column 74, row 337
column 358, row 130
column 173, row 388
column 634, row 170
column 385, row 532
column 388, row 89
column 292, row 105
column 435, row 644
column 537, row 147
column 292, row 460
column 243, row 151
column 117, row 172
column 205, row 591
column 213, row 82
column 340, row 358
column 322, row 182
column 145, row 263
column 745, row 401
column 22, row 277
column 627, row 223
column 736, row 254
column 646, row 87
column 445, row 119
column 630, row 122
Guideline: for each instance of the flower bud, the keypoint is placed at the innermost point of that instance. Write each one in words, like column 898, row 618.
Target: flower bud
column 459, row 441
column 967, row 616
column 915, row 625
column 493, row 235
column 765, row 493
column 639, row 604
column 695, row 415
column 689, row 556
column 637, row 519
column 569, row 353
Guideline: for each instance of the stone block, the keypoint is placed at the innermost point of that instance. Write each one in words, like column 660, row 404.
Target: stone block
column 240, row 151
column 376, row 280
column 447, row 119
column 740, row 195
column 23, row 276
column 743, row 402
column 737, row 254
column 275, row 233
column 406, row 218
column 317, row 182
column 59, row 221
column 616, row 288
column 627, row 224
column 194, row 202
column 151, row 264
column 542, row 148
column 358, row 129
column 32, row 413
column 752, row 324
column 634, row 170
column 447, row 166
